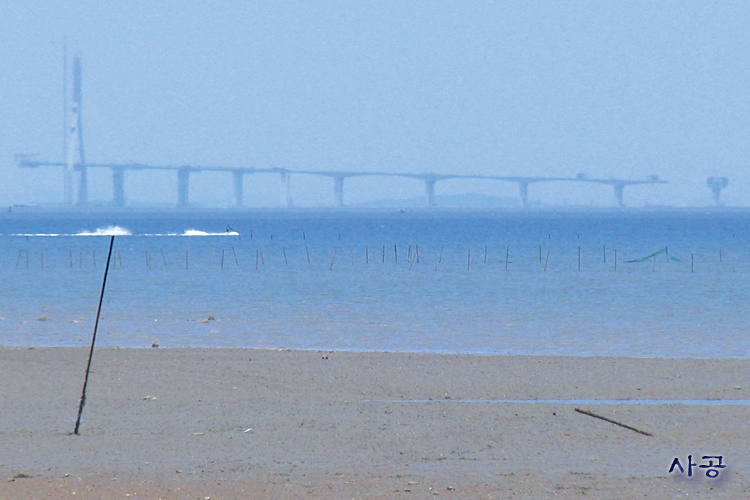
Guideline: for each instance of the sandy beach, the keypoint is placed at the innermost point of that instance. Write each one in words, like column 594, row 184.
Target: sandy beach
column 242, row 423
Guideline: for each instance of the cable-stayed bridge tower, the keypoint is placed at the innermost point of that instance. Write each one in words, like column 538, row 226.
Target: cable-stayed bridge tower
column 76, row 179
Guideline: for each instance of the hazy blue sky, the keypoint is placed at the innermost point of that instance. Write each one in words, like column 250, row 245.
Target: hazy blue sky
column 613, row 89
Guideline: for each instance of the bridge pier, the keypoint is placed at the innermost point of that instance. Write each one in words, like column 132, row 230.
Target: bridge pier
column 338, row 190
column 68, row 186
column 429, row 187
column 183, row 182
column 237, row 198
column 286, row 189
column 523, row 190
column 82, row 197
column 118, row 186
column 619, row 188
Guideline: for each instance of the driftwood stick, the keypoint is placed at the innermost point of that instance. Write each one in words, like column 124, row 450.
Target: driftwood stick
column 590, row 414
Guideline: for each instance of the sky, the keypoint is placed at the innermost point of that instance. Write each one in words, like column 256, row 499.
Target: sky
column 539, row 88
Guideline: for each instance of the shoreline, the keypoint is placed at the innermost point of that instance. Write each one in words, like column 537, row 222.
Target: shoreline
column 280, row 423
column 365, row 351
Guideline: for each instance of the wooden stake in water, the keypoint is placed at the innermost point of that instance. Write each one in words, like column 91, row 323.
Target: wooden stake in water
column 70, row 256
column 367, row 254
column 485, row 254
column 283, row 250
column 163, row 257
column 383, row 254
column 351, row 251
column 468, row 259
column 666, row 251
column 222, row 258
column 330, row 268
column 654, row 269
column 615, row 259
column 187, row 258
column 260, row 251
column 721, row 259
column 82, row 402
column 546, row 261
column 417, row 252
column 579, row 258
column 540, row 254
column 395, row 253
column 257, row 257
column 307, row 251
column 235, row 257
column 604, row 253
column 507, row 255
column 692, row 263
column 440, row 258
column 18, row 259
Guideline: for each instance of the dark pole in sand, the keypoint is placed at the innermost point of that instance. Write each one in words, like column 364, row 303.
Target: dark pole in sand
column 93, row 338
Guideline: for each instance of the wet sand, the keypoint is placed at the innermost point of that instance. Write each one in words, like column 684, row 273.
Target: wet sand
column 242, row 423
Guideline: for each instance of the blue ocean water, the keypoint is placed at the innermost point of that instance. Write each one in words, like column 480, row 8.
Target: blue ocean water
column 420, row 281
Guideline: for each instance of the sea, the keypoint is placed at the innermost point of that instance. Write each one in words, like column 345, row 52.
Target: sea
column 569, row 282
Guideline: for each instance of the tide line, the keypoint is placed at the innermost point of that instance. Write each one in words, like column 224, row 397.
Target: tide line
column 690, row 402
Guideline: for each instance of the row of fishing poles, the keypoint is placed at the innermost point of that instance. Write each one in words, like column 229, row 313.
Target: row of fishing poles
column 412, row 257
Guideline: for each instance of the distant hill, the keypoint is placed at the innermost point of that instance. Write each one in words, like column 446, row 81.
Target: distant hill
column 450, row 201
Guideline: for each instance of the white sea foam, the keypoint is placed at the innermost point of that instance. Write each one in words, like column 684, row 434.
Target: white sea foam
column 106, row 231
column 195, row 232
column 39, row 234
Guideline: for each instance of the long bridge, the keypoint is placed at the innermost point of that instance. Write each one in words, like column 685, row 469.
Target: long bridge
column 75, row 168
column 238, row 173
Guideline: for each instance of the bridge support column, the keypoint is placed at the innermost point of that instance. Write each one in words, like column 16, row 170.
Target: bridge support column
column 619, row 188
column 82, row 196
column 338, row 190
column 286, row 189
column 523, row 189
column 429, row 188
column 68, row 186
column 118, row 186
column 237, row 197
column 183, row 182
